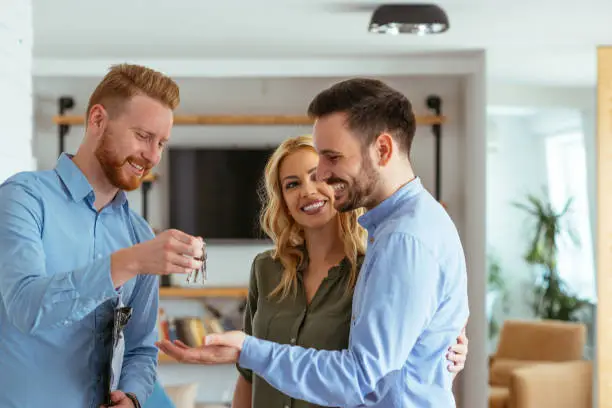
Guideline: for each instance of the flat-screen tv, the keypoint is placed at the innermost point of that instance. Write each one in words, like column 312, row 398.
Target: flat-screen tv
column 214, row 192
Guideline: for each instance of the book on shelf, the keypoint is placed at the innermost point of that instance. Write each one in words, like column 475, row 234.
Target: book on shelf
column 191, row 330
column 163, row 327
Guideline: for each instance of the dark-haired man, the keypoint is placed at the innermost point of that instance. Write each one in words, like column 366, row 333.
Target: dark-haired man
column 410, row 301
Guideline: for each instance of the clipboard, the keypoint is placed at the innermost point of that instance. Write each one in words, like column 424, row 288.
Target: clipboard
column 121, row 317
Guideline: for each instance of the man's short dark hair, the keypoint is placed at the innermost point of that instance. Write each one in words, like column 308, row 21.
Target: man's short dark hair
column 372, row 107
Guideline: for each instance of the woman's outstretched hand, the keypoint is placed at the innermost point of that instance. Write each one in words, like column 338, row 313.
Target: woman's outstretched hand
column 223, row 348
column 457, row 354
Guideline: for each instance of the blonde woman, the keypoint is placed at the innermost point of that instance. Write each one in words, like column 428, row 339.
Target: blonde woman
column 301, row 291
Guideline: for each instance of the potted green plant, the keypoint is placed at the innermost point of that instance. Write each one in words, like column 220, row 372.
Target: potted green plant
column 552, row 298
column 496, row 291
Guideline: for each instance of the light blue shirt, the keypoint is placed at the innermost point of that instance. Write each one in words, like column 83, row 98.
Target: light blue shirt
column 409, row 306
column 158, row 398
column 57, row 297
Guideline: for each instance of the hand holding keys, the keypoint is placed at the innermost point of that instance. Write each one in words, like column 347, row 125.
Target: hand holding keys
column 193, row 275
column 170, row 252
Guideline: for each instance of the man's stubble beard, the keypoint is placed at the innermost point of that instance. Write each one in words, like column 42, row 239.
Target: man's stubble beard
column 361, row 192
column 112, row 165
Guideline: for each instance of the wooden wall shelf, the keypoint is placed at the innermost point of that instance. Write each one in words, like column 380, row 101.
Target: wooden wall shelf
column 238, row 120
column 151, row 177
column 194, row 293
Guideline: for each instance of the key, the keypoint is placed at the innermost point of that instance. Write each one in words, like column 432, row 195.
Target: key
column 192, row 277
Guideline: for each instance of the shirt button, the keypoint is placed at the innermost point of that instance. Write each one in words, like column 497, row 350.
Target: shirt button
column 371, row 239
column 293, row 340
column 99, row 256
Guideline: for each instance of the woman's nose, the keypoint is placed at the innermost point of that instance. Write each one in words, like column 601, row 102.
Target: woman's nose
column 309, row 188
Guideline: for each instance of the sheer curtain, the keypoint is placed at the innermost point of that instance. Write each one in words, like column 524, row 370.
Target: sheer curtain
column 567, row 178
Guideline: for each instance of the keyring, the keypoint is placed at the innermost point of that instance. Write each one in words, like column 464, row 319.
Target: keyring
column 193, row 275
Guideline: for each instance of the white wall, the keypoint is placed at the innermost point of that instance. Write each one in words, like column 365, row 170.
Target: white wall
column 543, row 97
column 16, row 87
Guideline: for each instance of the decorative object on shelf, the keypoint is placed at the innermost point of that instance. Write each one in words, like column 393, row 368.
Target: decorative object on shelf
column 163, row 324
column 190, row 330
column 553, row 299
column 223, row 311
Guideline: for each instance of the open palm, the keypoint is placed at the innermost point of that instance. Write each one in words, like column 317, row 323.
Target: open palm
column 223, row 348
column 199, row 355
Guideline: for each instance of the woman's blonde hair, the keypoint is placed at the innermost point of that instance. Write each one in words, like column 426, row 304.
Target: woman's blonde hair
column 287, row 235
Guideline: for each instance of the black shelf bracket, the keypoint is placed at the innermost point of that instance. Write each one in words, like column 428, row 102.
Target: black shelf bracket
column 145, row 187
column 434, row 103
column 64, row 103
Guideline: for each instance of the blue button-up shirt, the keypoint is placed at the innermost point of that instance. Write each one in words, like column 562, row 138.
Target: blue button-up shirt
column 57, row 297
column 409, row 306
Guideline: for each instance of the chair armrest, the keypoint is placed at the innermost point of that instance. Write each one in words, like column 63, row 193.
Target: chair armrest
column 560, row 385
column 491, row 358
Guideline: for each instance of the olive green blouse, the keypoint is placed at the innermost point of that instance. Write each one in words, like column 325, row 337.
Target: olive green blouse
column 322, row 324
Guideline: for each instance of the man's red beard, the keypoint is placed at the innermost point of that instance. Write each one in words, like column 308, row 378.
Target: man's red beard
column 113, row 166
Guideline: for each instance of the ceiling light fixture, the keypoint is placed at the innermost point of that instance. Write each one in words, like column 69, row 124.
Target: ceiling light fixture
column 419, row 19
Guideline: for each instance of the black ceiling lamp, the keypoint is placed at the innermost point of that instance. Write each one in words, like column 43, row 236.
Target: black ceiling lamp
column 419, row 19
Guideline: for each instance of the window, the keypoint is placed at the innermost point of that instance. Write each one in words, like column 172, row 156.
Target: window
column 567, row 178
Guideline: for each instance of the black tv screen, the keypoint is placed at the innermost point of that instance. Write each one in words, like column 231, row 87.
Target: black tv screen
column 214, row 191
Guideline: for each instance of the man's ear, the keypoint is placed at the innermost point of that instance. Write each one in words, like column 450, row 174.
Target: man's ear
column 98, row 117
column 383, row 146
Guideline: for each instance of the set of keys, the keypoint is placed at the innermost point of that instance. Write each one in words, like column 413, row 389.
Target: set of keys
column 193, row 275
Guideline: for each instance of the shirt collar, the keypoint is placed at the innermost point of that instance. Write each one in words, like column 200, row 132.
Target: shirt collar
column 377, row 215
column 77, row 184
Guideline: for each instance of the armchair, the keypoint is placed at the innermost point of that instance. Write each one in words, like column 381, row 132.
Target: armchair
column 539, row 364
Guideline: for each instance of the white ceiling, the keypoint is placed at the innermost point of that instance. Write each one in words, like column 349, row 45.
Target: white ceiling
column 527, row 41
